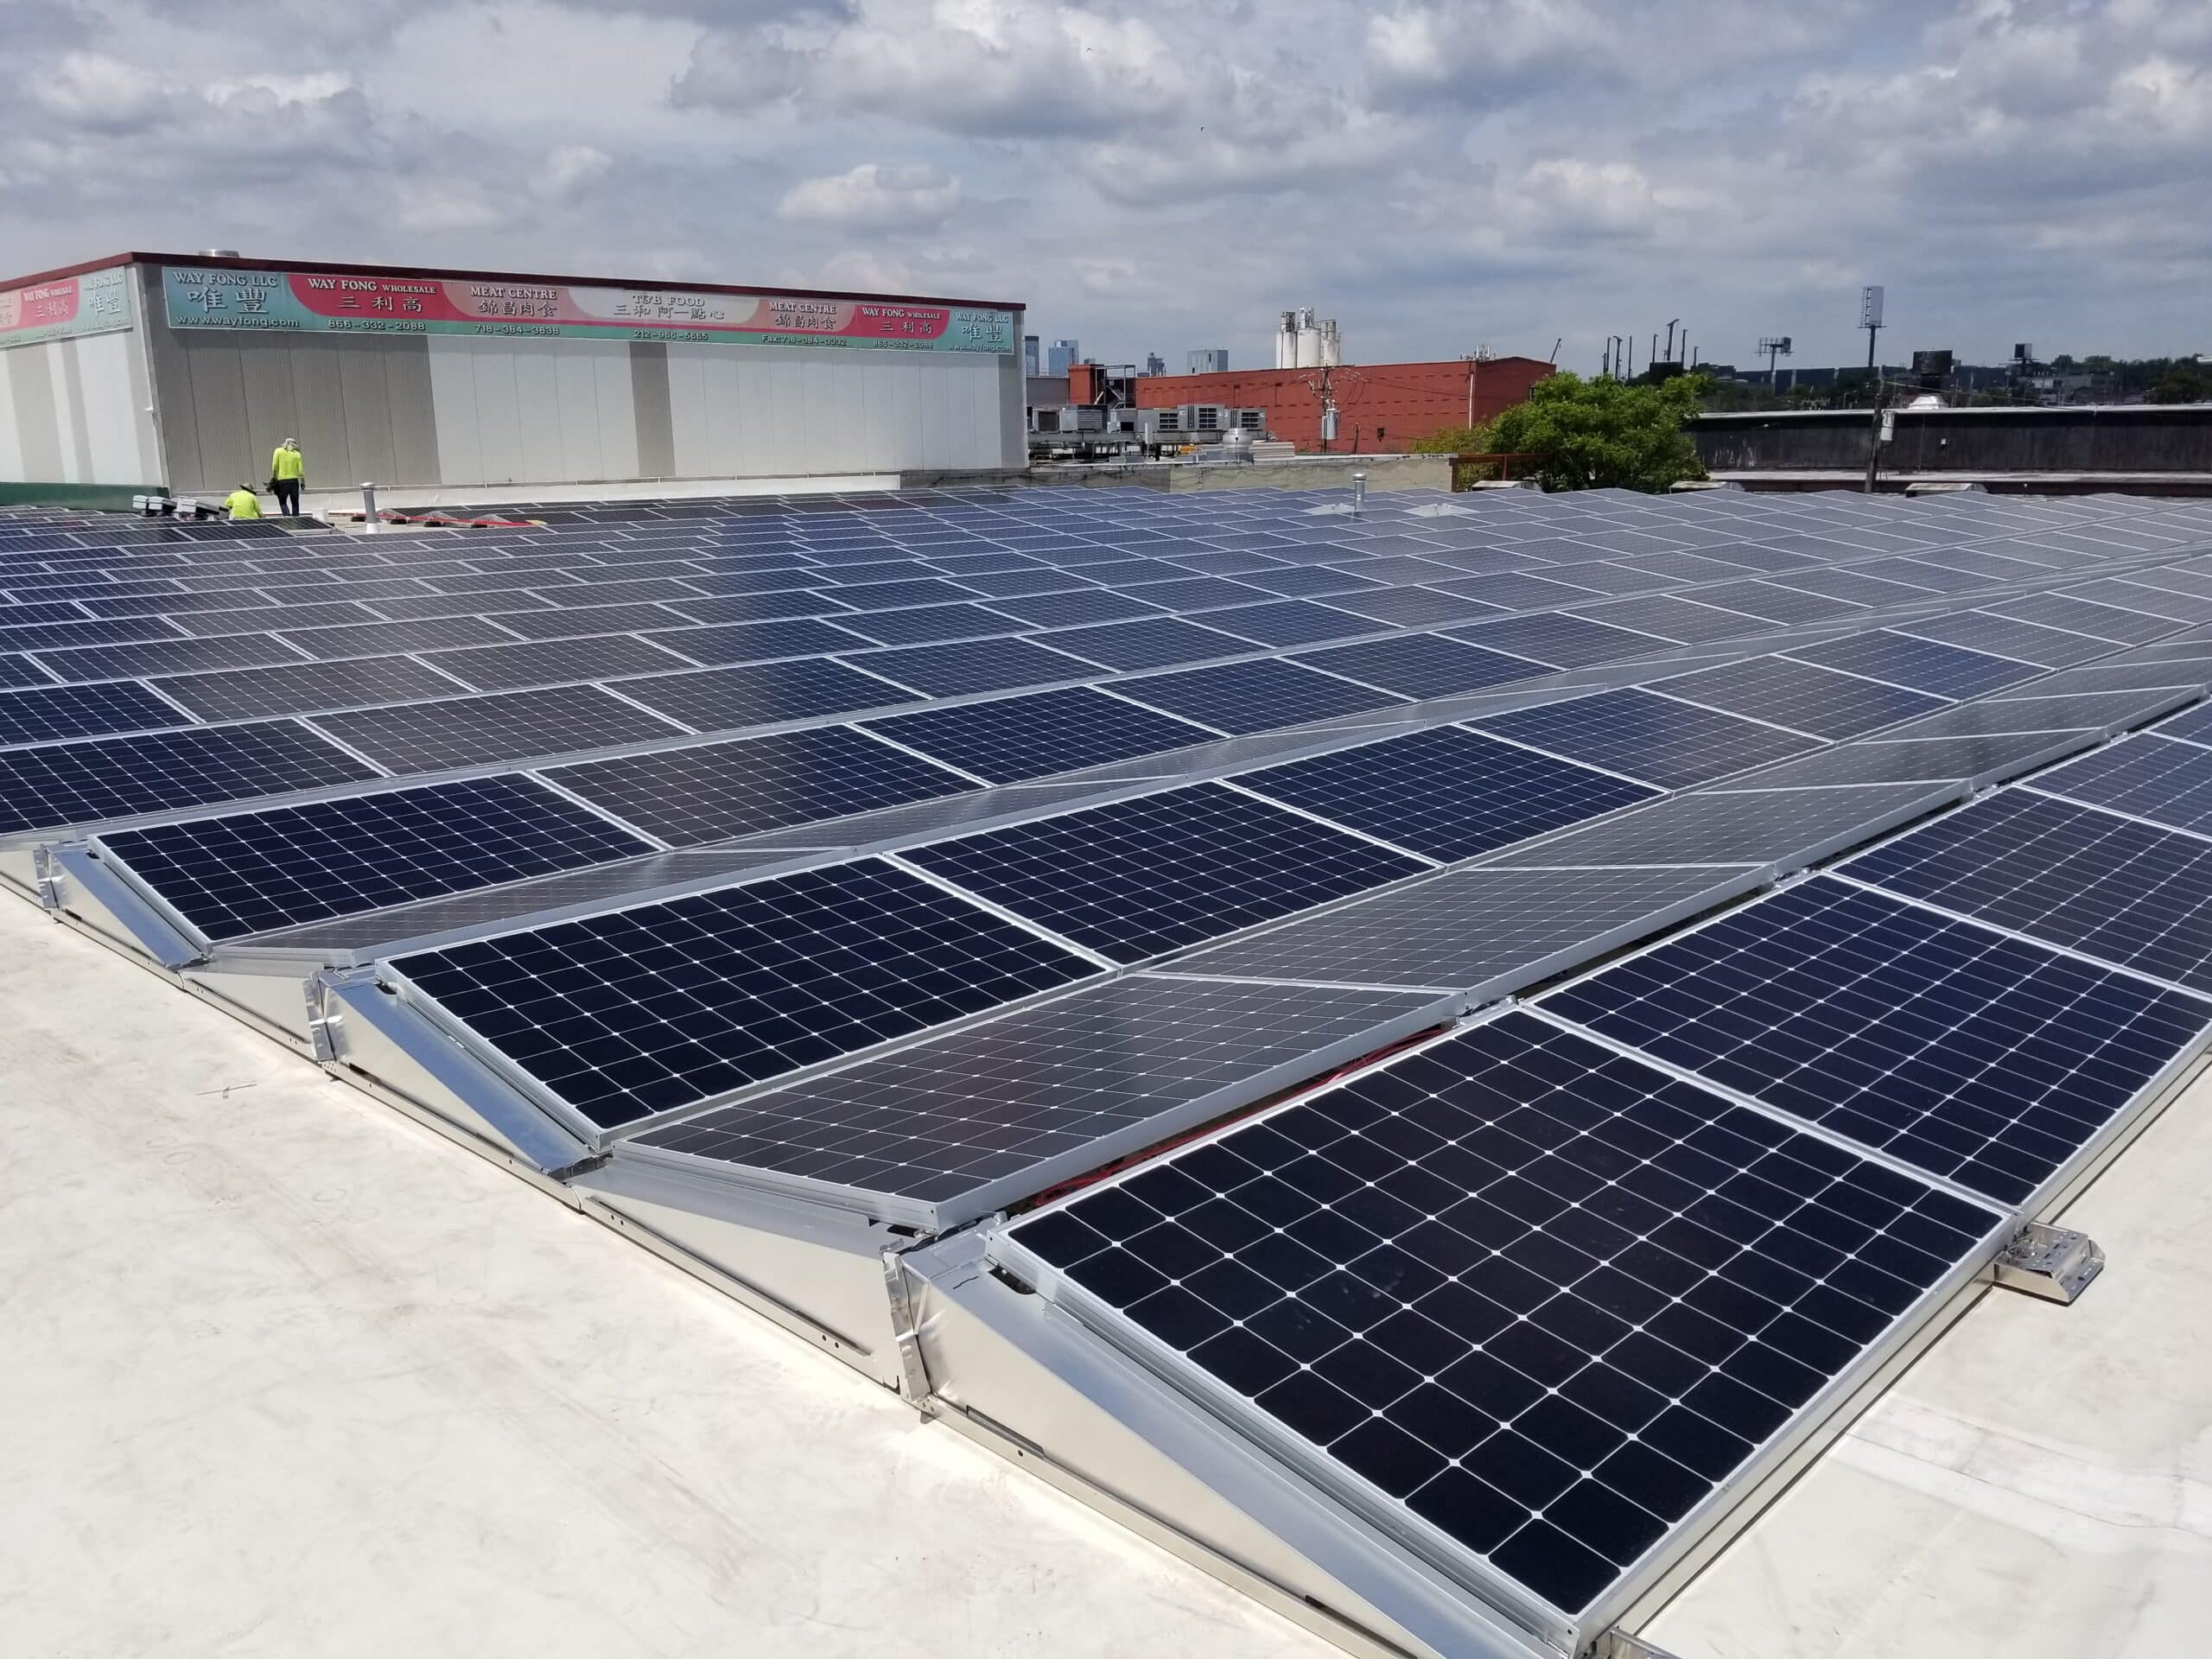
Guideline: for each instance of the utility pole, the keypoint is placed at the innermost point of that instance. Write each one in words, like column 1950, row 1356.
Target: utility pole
column 1671, row 322
column 1870, row 318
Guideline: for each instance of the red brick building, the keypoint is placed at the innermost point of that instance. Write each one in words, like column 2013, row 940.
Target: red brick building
column 1380, row 406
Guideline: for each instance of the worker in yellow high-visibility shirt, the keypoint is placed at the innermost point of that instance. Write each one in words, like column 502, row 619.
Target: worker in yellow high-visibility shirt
column 244, row 503
column 288, row 470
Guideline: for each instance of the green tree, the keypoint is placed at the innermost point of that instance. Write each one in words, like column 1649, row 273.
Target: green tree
column 2182, row 385
column 1589, row 435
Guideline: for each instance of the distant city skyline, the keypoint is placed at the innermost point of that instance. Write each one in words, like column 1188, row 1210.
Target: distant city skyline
column 1439, row 176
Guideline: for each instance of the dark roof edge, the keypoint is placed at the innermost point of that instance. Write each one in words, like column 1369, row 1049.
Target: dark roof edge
column 436, row 273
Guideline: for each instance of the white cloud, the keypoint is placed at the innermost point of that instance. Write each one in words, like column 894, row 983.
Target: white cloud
column 875, row 197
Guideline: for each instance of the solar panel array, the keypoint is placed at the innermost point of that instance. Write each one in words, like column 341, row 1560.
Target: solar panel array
column 915, row 854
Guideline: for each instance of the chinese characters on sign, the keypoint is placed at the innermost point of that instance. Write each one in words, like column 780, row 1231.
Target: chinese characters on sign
column 97, row 302
column 208, row 297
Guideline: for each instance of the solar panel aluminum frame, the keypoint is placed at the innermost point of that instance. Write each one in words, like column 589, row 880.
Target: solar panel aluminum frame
column 1120, row 1361
column 2061, row 1187
column 99, row 894
column 932, row 1217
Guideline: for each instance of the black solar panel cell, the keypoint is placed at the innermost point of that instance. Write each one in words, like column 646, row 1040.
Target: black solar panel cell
column 1137, row 879
column 1988, row 1060
column 248, row 873
column 1512, row 1288
column 642, row 1011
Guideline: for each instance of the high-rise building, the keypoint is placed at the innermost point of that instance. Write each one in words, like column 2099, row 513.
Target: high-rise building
column 1030, row 346
column 1063, row 356
column 1215, row 361
column 1154, row 362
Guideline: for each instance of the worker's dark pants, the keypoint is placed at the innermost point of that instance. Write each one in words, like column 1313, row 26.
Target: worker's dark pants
column 288, row 496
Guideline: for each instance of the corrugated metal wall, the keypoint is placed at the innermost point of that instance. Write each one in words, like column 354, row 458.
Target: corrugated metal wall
column 73, row 411
column 448, row 409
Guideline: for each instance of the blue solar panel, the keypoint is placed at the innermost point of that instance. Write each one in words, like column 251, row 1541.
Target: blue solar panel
column 1291, row 622
column 121, row 777
column 1918, row 664
column 625, row 1015
column 976, row 665
column 1447, row 793
column 2075, row 876
column 1511, row 1290
column 1804, row 698
column 762, row 694
column 2148, row 775
column 58, row 711
column 1011, row 739
column 247, row 873
column 710, row 791
column 1423, row 665
column 1160, row 643
column 1139, row 878
column 1665, row 742
column 1988, row 1060
column 1254, row 696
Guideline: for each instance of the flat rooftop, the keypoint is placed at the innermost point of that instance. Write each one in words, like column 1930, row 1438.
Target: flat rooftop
column 1467, row 1066
column 296, row 1376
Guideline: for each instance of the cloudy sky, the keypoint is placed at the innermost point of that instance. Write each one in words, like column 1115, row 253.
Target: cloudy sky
column 1439, row 174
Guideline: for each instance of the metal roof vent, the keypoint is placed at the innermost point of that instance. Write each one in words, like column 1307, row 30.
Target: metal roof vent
column 219, row 253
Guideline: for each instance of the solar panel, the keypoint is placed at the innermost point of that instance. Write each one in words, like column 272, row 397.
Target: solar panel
column 1513, row 1291
column 1136, row 879
column 1159, row 644
column 1805, row 699
column 1291, row 622
column 1562, row 641
column 507, row 726
column 507, row 668
column 58, row 711
column 2078, row 877
column 121, row 777
column 247, row 873
column 2147, row 775
column 962, row 1123
column 1413, row 607
column 1918, row 664
column 1665, row 742
column 168, row 657
column 1446, row 793
column 304, row 688
column 1679, row 619
column 379, row 639
column 1485, row 931
column 2004, row 636
column 1071, row 609
column 757, row 642
column 713, row 790
column 1790, row 827
column 1254, row 696
column 2085, row 616
column 976, row 665
column 1985, row 1059
column 641, row 1011
column 2083, row 711
column 1423, row 665
column 2191, row 725
column 1011, row 739
column 762, row 694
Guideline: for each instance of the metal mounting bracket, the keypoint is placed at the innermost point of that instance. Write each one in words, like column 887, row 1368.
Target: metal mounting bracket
column 1618, row 1643
column 2053, row 1262
column 917, row 1386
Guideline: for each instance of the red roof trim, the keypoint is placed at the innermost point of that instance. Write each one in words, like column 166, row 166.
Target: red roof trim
column 431, row 273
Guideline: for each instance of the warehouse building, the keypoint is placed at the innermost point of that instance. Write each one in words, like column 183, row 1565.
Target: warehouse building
column 1381, row 408
column 148, row 372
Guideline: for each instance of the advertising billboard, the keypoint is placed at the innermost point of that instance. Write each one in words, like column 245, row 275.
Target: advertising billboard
column 334, row 302
column 97, row 302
